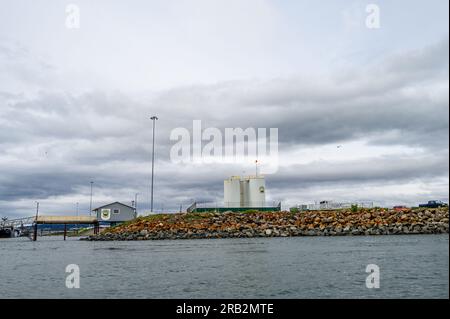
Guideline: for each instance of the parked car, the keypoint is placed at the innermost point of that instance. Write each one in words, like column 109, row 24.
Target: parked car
column 434, row 204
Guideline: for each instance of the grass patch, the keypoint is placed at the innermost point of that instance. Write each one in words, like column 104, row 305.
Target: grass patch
column 156, row 217
column 198, row 216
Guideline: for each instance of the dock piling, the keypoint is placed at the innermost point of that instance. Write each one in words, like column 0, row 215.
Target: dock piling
column 35, row 232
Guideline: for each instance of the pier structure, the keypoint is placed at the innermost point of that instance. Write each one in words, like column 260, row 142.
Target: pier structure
column 65, row 220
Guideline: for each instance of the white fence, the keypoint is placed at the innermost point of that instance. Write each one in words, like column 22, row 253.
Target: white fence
column 336, row 205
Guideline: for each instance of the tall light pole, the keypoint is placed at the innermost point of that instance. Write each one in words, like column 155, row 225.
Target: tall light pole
column 153, row 118
column 90, row 204
column 135, row 204
column 77, row 208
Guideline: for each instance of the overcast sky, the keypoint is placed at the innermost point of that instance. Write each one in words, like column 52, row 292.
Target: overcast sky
column 362, row 113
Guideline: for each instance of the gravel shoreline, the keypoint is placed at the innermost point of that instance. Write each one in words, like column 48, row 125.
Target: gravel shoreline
column 374, row 221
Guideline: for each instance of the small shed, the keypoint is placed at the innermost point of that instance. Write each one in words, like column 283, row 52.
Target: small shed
column 115, row 213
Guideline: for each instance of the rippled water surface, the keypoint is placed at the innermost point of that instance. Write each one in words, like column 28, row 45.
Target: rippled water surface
column 415, row 266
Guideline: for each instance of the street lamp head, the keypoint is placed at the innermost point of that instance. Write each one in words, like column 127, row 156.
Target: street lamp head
column 154, row 118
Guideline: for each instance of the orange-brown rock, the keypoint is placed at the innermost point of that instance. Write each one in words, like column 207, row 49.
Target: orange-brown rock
column 269, row 224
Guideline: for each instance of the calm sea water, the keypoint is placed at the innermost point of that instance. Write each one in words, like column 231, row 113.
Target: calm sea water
column 415, row 266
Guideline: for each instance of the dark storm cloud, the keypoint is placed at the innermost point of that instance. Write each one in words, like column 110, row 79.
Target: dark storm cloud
column 383, row 170
column 375, row 100
column 378, row 169
column 393, row 95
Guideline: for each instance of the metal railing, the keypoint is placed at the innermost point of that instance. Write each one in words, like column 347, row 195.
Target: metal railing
column 238, row 204
column 18, row 222
column 220, row 205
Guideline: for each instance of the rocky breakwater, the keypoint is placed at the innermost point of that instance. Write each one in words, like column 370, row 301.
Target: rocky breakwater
column 375, row 221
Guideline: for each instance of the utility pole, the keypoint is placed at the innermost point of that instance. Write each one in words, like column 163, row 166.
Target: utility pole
column 35, row 222
column 77, row 208
column 153, row 118
column 90, row 204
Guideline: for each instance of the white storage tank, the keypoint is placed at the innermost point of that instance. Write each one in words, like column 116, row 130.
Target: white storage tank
column 256, row 195
column 245, row 187
column 232, row 192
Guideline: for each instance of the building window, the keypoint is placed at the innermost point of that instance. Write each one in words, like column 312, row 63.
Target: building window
column 116, row 211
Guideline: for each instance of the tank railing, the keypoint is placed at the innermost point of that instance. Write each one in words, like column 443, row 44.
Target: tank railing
column 192, row 207
column 238, row 204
